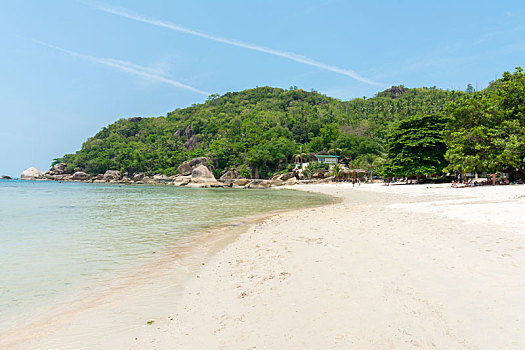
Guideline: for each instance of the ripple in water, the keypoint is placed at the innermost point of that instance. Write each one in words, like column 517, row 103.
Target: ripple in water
column 58, row 238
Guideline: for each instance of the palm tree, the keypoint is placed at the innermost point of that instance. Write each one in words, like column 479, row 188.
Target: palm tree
column 300, row 155
column 376, row 163
column 336, row 170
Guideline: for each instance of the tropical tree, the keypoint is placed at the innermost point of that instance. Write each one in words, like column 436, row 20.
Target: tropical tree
column 416, row 146
column 486, row 131
column 336, row 170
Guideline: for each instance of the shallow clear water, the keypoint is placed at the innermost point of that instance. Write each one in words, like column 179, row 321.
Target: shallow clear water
column 58, row 237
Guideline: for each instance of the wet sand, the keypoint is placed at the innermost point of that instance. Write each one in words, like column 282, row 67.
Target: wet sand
column 396, row 267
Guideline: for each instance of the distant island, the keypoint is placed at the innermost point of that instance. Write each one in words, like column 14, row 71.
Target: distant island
column 266, row 131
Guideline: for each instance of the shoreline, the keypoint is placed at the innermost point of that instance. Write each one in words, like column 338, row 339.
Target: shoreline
column 171, row 268
column 379, row 277
column 383, row 267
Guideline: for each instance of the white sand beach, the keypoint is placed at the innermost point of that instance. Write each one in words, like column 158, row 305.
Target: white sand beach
column 387, row 267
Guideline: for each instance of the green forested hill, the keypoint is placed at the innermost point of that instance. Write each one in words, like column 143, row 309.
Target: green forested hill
column 263, row 129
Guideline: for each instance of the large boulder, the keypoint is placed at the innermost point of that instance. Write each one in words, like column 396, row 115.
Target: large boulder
column 59, row 167
column 161, row 178
column 188, row 132
column 195, row 162
column 182, row 180
column 112, row 175
column 186, row 168
column 6, row 177
column 138, row 176
column 147, row 180
column 240, row 182
column 31, row 174
column 80, row 175
column 291, row 181
column 276, row 182
column 286, row 176
column 192, row 142
column 230, row 175
column 201, row 174
column 259, row 184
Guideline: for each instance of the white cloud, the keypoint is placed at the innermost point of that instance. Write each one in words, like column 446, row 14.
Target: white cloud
column 150, row 74
column 288, row 55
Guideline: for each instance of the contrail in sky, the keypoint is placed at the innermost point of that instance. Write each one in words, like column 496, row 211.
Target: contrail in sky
column 128, row 67
column 288, row 55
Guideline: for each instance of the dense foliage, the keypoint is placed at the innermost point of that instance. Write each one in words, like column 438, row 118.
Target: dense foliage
column 262, row 129
column 480, row 132
column 416, row 146
column 486, row 131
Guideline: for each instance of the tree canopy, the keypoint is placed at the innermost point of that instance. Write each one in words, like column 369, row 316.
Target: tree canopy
column 261, row 129
column 416, row 146
column 486, row 131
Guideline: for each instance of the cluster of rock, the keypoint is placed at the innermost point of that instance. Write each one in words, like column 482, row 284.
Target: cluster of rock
column 196, row 173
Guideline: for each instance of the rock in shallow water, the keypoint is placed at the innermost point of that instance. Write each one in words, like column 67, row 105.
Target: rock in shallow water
column 80, row 175
column 112, row 175
column 31, row 174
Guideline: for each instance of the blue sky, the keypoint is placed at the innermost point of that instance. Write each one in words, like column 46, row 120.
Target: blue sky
column 68, row 68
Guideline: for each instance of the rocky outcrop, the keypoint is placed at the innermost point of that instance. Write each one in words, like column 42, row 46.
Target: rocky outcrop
column 186, row 168
column 188, row 132
column 283, row 179
column 260, row 184
column 147, row 180
column 161, row 178
column 286, row 176
column 5, row 177
column 195, row 173
column 276, row 182
column 201, row 174
column 200, row 177
column 182, row 180
column 31, row 173
column 394, row 92
column 240, row 182
column 195, row 162
column 191, row 142
column 138, row 177
column 230, row 175
column 112, row 175
column 292, row 181
column 59, row 167
column 81, row 176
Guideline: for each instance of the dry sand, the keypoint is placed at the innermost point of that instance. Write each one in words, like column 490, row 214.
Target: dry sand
column 395, row 267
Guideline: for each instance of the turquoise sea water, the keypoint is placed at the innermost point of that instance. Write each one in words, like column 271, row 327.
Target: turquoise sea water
column 58, row 237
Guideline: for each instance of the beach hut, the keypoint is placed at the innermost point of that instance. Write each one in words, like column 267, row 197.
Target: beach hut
column 327, row 159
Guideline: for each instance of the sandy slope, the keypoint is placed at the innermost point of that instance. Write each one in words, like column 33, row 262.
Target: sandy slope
column 387, row 268
column 396, row 267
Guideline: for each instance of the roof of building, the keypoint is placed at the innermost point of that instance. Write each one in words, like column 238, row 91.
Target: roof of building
column 326, row 156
